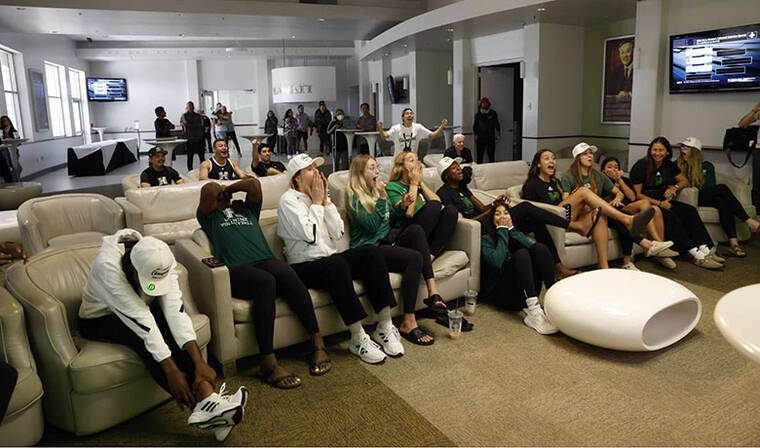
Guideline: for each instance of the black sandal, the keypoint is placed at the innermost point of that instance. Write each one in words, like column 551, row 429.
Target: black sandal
column 596, row 220
column 275, row 382
column 314, row 367
column 432, row 300
column 442, row 318
column 415, row 336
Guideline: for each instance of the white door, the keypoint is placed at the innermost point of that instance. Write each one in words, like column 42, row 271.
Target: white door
column 498, row 84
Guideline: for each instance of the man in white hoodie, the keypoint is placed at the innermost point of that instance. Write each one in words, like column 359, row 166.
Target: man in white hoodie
column 132, row 297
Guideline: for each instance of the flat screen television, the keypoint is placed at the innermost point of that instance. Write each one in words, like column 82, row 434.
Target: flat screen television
column 107, row 89
column 718, row 60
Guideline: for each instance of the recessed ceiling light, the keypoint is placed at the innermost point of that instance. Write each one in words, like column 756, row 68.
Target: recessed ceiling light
column 541, row 9
column 450, row 30
column 405, row 45
column 321, row 19
column 292, row 37
column 387, row 54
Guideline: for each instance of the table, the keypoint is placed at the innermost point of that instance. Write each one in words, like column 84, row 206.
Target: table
column 12, row 145
column 371, row 137
column 349, row 133
column 736, row 315
column 167, row 145
column 101, row 157
column 100, row 132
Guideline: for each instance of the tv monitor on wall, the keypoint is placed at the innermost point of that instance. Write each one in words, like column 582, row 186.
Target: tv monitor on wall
column 718, row 60
column 107, row 89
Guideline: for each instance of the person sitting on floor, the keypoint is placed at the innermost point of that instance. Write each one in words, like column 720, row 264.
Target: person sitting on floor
column 132, row 297
column 220, row 166
column 514, row 268
column 157, row 173
column 256, row 275
column 262, row 164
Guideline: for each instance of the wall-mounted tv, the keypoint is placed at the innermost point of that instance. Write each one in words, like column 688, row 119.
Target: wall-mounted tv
column 107, row 89
column 717, row 60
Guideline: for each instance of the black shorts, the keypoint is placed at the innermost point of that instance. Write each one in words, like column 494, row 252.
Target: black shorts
column 303, row 135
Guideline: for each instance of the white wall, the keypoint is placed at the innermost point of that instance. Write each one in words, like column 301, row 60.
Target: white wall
column 434, row 97
column 508, row 46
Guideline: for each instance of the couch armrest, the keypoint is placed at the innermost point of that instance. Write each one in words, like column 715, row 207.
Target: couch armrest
column 689, row 195
column 740, row 189
column 132, row 214
column 213, row 297
column 108, row 216
column 14, row 345
column 29, row 226
column 466, row 237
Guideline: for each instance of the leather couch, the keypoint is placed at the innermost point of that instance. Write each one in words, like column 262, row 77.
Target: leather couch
column 23, row 422
column 133, row 181
column 89, row 385
column 67, row 219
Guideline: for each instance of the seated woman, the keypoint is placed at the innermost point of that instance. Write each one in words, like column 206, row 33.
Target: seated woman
column 657, row 179
column 514, row 268
column 256, row 275
column 406, row 251
column 310, row 225
column 701, row 175
column 527, row 217
column 542, row 186
column 582, row 174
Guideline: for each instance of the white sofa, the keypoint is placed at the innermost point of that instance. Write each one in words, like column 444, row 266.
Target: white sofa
column 133, row 181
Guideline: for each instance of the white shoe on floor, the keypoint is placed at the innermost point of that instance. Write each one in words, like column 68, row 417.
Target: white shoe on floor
column 666, row 262
column 366, row 349
column 219, row 411
column 658, row 247
column 537, row 320
column 241, row 396
column 390, row 340
column 629, row 267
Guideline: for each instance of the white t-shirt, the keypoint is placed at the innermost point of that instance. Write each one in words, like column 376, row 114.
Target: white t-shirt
column 407, row 137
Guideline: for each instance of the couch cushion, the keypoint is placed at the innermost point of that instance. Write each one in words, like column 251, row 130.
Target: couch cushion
column 28, row 389
column 74, row 239
column 100, row 365
column 273, row 187
column 499, row 175
column 169, row 232
column 449, row 263
column 169, row 203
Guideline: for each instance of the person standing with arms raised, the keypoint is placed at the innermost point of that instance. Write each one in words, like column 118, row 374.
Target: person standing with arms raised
column 406, row 135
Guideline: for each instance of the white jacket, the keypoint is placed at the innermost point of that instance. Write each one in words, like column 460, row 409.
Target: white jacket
column 108, row 292
column 308, row 231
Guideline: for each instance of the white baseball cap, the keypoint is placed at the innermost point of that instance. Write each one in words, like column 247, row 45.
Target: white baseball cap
column 301, row 161
column 446, row 162
column 692, row 142
column 153, row 261
column 582, row 147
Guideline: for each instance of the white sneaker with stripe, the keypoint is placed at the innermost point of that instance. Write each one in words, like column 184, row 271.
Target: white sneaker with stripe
column 219, row 411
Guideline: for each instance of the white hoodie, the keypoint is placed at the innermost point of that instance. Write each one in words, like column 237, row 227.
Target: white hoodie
column 308, row 231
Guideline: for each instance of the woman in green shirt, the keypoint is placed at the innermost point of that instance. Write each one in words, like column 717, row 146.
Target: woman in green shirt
column 406, row 251
column 701, row 175
column 514, row 267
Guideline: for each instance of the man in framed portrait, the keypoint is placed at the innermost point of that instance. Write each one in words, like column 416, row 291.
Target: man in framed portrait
column 620, row 83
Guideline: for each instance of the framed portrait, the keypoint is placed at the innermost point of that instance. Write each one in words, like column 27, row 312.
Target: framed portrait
column 39, row 100
column 617, row 80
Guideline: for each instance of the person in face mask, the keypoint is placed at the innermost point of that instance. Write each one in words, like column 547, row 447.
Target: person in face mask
column 339, row 140
column 486, row 130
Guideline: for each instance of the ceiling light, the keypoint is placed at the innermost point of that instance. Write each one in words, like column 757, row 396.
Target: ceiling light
column 387, row 54
column 541, row 9
column 405, row 45
column 450, row 30
column 292, row 37
column 321, row 19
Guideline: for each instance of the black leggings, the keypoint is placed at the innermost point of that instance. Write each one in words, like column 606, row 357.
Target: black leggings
column 232, row 136
column 111, row 329
column 626, row 239
column 438, row 222
column 486, row 146
column 684, row 227
column 413, row 237
column 8, row 377
column 408, row 262
column 261, row 284
column 336, row 273
column 522, row 275
column 272, row 142
column 720, row 197
column 528, row 218
column 192, row 147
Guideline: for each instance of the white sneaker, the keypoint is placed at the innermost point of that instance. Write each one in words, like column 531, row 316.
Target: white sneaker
column 537, row 320
column 390, row 340
column 629, row 267
column 219, row 411
column 666, row 262
column 657, row 247
column 366, row 349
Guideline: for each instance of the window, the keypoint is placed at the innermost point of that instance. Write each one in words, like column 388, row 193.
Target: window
column 76, row 80
column 58, row 99
column 10, row 90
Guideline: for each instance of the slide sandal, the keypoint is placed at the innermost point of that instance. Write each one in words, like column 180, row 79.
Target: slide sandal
column 640, row 220
column 415, row 336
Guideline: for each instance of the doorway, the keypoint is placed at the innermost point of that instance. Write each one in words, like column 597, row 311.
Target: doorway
column 503, row 86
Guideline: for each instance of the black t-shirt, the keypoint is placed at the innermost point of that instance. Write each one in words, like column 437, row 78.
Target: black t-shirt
column 664, row 177
column 221, row 172
column 157, row 178
column 459, row 197
column 262, row 169
column 466, row 154
column 537, row 190
column 163, row 127
column 486, row 125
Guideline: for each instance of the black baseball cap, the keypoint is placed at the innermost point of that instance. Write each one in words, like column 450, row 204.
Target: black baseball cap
column 321, row 103
column 155, row 150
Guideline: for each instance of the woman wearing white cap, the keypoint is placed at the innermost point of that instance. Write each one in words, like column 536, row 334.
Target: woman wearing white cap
column 132, row 297
column 406, row 135
column 310, row 226
column 701, row 175
column 582, row 173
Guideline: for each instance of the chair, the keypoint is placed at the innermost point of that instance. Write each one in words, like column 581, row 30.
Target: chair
column 67, row 219
column 12, row 195
column 89, row 385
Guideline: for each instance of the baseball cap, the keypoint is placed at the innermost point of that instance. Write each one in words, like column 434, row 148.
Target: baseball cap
column 582, row 147
column 155, row 150
column 446, row 162
column 153, row 261
column 321, row 103
column 301, row 161
column 692, row 142
column 485, row 100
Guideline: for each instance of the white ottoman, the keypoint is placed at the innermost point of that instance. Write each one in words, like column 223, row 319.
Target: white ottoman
column 14, row 194
column 737, row 315
column 623, row 310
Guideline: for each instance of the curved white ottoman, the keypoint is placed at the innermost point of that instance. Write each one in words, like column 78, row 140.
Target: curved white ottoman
column 623, row 310
column 737, row 315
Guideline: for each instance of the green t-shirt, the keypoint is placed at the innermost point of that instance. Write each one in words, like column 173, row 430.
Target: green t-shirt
column 237, row 238
column 396, row 191
column 604, row 185
column 368, row 228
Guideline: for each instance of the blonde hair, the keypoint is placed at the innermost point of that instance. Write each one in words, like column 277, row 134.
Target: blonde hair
column 692, row 167
column 397, row 173
column 357, row 184
column 575, row 171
